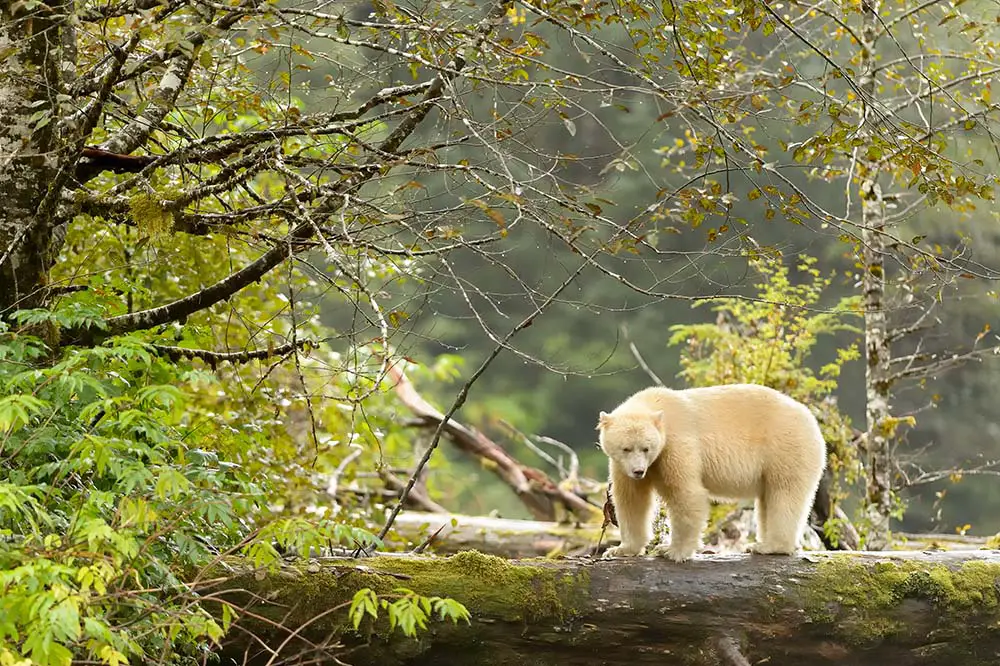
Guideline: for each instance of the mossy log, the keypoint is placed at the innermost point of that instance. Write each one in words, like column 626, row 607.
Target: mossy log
column 898, row 608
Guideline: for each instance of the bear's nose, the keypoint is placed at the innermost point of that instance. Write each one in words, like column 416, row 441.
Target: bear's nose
column 638, row 473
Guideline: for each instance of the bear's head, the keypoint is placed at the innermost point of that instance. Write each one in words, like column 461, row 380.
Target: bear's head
column 633, row 440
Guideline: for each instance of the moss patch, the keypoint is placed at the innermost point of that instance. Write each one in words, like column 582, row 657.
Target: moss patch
column 486, row 585
column 863, row 598
column 150, row 216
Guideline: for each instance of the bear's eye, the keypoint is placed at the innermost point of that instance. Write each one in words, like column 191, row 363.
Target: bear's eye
column 627, row 449
column 646, row 450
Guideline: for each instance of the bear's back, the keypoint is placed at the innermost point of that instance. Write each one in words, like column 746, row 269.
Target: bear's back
column 747, row 422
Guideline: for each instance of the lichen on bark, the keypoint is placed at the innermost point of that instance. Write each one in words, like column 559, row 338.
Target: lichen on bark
column 29, row 239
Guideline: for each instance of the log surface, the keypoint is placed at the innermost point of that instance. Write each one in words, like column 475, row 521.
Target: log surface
column 897, row 608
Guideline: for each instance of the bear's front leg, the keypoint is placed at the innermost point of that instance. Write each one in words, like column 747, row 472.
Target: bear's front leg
column 633, row 499
column 688, row 514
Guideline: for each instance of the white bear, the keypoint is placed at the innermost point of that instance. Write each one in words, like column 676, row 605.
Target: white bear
column 690, row 446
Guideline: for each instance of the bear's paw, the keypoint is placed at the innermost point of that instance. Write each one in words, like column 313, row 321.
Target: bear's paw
column 767, row 549
column 622, row 551
column 673, row 554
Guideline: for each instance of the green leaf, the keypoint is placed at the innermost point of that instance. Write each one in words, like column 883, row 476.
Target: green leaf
column 16, row 411
column 364, row 603
column 164, row 394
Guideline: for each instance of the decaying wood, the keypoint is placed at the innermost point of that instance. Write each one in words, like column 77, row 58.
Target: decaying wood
column 505, row 537
column 899, row 608
column 418, row 498
column 513, row 538
column 935, row 541
column 539, row 493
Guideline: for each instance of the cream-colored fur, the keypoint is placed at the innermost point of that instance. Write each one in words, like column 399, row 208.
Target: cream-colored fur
column 689, row 446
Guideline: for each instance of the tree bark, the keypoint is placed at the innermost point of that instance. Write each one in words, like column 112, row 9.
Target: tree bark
column 878, row 353
column 30, row 237
column 862, row 609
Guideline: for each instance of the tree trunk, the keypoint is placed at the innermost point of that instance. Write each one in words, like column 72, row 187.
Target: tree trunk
column 859, row 608
column 877, row 348
column 31, row 39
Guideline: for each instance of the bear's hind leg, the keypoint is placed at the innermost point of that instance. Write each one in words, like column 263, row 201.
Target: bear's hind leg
column 783, row 514
column 633, row 501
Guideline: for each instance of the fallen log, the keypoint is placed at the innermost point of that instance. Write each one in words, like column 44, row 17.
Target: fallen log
column 939, row 541
column 505, row 537
column 899, row 608
column 728, row 531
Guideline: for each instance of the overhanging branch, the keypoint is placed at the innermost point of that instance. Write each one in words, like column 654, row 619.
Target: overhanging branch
column 213, row 358
column 206, row 298
column 330, row 204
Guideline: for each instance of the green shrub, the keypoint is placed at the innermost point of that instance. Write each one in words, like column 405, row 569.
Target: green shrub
column 119, row 481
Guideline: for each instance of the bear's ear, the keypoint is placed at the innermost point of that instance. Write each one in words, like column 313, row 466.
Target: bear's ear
column 602, row 420
column 659, row 418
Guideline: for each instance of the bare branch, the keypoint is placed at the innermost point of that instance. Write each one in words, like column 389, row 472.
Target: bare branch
column 926, row 477
column 213, row 358
column 135, row 133
column 942, row 364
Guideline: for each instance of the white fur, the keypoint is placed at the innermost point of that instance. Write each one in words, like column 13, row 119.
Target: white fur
column 689, row 446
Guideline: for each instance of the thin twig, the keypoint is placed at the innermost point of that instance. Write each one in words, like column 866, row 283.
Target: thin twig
column 334, row 481
column 640, row 360
column 419, row 549
column 419, row 496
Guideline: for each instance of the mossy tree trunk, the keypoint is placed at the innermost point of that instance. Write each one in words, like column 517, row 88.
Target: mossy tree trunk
column 31, row 228
column 871, row 608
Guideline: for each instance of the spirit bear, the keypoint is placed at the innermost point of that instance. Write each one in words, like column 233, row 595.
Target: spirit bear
column 690, row 446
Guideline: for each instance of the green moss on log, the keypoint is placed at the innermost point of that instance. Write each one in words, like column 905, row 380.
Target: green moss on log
column 860, row 597
column 487, row 585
